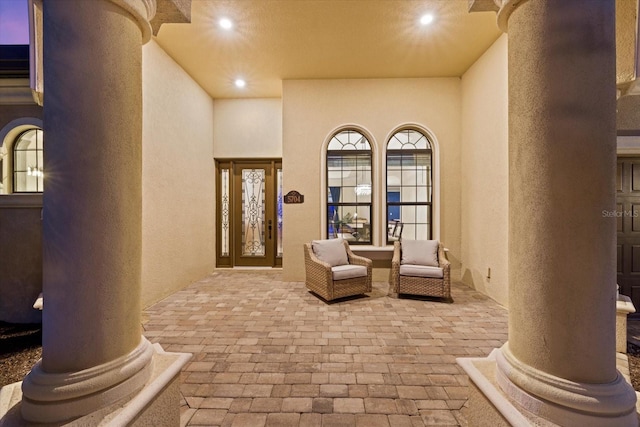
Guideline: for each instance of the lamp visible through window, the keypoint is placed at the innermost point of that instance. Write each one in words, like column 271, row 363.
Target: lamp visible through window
column 28, row 156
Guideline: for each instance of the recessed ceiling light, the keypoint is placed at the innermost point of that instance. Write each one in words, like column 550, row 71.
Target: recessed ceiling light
column 426, row 19
column 240, row 83
column 226, row 23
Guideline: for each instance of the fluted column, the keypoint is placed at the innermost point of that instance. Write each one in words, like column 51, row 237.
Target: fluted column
column 93, row 351
column 559, row 362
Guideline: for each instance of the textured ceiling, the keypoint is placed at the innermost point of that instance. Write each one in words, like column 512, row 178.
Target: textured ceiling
column 274, row 40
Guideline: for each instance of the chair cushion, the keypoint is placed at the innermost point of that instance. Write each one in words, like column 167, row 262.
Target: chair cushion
column 420, row 252
column 331, row 251
column 421, row 271
column 341, row 272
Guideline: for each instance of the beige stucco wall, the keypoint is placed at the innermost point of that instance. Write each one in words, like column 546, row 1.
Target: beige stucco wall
column 314, row 109
column 177, row 178
column 626, row 29
column 247, row 128
column 20, row 225
column 485, row 173
column 20, row 257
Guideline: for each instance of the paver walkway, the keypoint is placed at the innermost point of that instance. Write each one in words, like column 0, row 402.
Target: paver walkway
column 269, row 353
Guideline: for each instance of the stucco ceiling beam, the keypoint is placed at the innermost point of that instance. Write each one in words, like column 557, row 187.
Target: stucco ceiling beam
column 484, row 5
column 171, row 12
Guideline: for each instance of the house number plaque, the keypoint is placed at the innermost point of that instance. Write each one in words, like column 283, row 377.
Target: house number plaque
column 293, row 197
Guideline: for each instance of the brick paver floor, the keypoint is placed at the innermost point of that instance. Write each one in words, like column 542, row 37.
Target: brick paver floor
column 269, row 353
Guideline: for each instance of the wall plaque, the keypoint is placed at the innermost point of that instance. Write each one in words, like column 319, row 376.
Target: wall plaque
column 293, row 197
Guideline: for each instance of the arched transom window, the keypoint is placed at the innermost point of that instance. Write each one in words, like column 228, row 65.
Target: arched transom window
column 349, row 187
column 409, row 186
column 28, row 171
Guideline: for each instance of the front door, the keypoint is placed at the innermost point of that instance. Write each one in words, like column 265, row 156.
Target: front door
column 250, row 212
column 628, row 226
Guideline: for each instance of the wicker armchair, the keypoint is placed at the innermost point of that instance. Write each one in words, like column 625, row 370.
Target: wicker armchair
column 414, row 284
column 321, row 276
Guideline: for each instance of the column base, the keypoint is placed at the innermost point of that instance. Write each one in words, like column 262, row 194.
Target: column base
column 495, row 400
column 158, row 403
column 54, row 397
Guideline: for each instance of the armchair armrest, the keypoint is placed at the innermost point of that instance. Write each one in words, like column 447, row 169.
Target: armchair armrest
column 315, row 267
column 442, row 257
column 446, row 268
column 360, row 260
column 444, row 262
column 357, row 259
column 394, row 272
column 396, row 254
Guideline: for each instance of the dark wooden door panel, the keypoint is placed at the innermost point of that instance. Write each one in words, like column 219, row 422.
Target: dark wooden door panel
column 635, row 259
column 632, row 213
column 628, row 227
column 620, row 222
column 635, row 176
column 619, row 172
column 619, row 259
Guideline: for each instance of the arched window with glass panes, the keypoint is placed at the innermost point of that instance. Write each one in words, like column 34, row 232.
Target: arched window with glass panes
column 349, row 187
column 28, row 167
column 409, row 186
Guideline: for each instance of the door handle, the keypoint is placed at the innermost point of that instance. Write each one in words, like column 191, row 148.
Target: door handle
column 269, row 227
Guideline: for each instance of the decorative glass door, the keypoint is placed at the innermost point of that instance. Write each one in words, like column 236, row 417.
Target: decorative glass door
column 250, row 213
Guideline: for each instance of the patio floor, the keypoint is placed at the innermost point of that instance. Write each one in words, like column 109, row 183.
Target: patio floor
column 269, row 353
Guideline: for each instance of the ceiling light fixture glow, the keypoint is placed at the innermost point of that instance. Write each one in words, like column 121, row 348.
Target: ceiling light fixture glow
column 240, row 83
column 426, row 19
column 226, row 23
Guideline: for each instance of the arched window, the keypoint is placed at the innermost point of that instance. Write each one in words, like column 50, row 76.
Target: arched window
column 28, row 172
column 409, row 186
column 349, row 187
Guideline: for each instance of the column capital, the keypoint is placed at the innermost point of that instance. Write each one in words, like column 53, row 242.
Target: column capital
column 504, row 8
column 143, row 12
column 484, row 5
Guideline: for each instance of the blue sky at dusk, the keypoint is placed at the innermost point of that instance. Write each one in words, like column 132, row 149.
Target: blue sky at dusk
column 14, row 22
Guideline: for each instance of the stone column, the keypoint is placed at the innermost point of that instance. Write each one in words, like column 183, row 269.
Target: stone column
column 559, row 362
column 93, row 352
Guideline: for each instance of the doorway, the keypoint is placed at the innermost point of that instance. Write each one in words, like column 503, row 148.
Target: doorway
column 249, row 212
column 628, row 227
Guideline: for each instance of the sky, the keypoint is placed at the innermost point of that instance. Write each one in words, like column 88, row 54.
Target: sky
column 14, row 22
